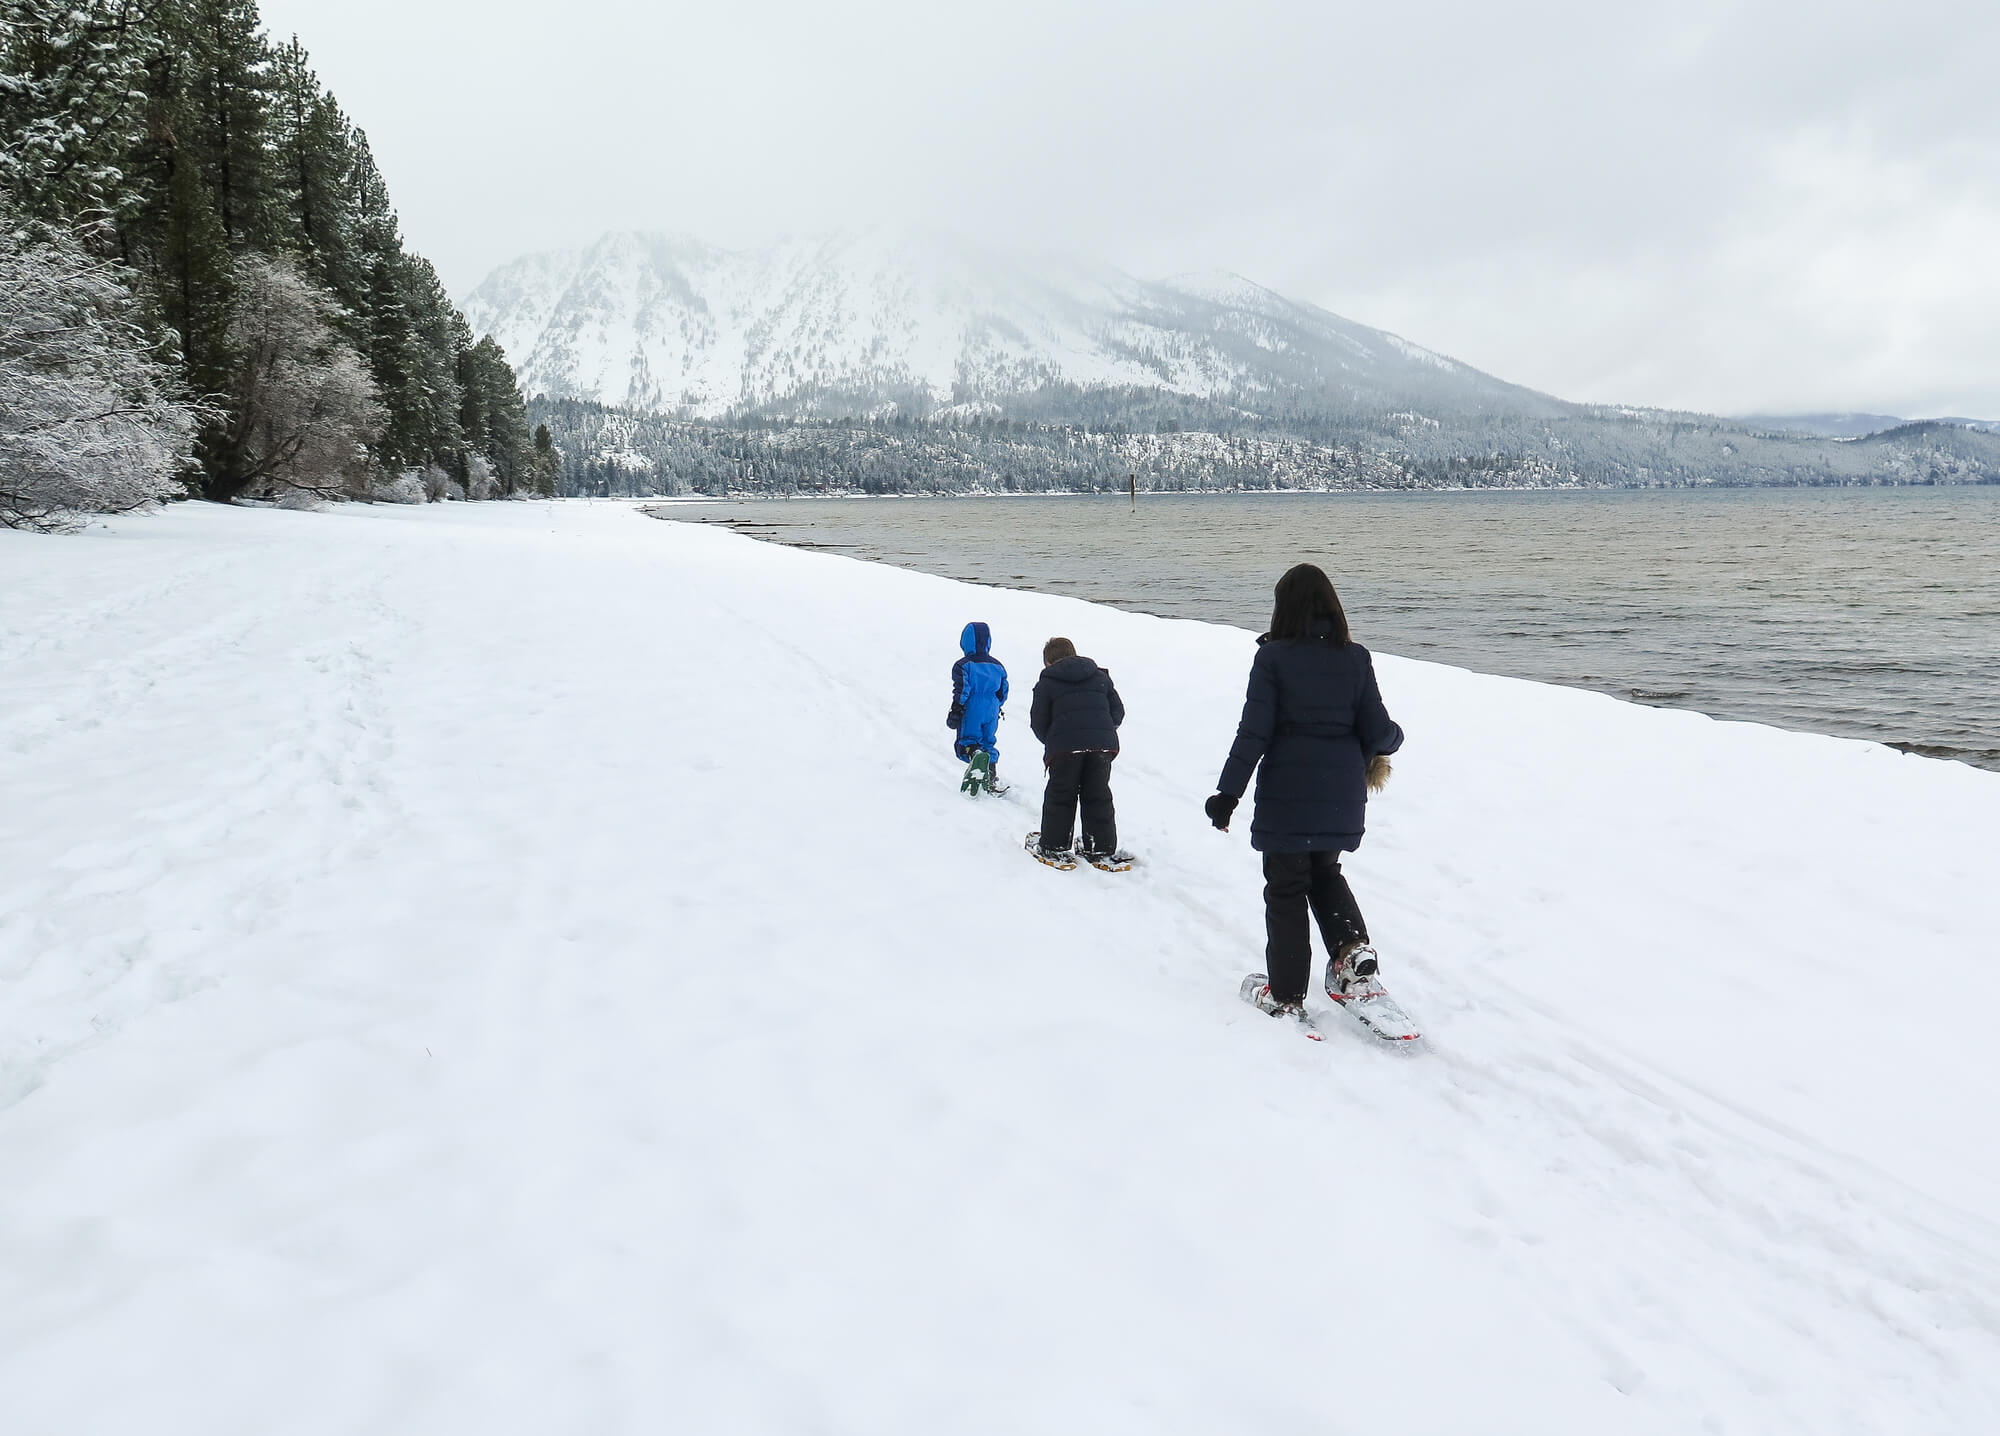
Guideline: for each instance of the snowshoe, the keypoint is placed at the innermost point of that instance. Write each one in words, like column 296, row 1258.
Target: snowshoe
column 1113, row 862
column 1256, row 990
column 978, row 775
column 1061, row 858
column 1352, row 983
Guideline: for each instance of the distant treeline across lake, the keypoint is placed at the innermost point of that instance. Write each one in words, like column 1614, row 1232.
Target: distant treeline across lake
column 1863, row 612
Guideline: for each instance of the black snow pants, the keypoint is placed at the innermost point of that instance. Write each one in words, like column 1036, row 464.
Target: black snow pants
column 1074, row 777
column 1294, row 882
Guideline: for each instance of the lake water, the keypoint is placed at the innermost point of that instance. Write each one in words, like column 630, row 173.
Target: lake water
column 1869, row 613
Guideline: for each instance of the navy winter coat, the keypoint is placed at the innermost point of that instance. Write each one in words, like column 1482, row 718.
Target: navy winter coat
column 1076, row 709
column 1311, row 721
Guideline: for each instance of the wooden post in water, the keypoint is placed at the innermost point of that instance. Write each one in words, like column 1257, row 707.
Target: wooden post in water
column 1133, row 481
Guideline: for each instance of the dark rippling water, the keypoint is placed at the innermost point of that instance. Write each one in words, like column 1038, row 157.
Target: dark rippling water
column 1870, row 613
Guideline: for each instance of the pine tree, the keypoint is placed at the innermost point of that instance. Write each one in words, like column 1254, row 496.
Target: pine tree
column 313, row 155
column 169, row 227
column 414, row 334
column 231, row 95
column 415, row 338
column 546, row 463
column 440, row 335
column 188, row 146
column 69, row 73
column 492, row 417
column 196, row 289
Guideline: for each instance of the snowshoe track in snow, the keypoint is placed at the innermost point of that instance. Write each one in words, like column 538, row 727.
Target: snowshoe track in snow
column 398, row 955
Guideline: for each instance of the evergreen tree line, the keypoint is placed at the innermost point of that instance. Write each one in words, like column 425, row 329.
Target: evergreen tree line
column 169, row 145
column 1585, row 443
column 612, row 452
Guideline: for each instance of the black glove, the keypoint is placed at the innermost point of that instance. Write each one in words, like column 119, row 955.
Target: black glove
column 1218, row 809
column 955, row 717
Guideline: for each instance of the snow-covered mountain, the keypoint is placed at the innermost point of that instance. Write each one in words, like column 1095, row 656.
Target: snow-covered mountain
column 845, row 323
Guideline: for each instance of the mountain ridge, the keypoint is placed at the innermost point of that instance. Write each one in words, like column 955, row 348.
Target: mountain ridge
column 919, row 361
column 872, row 322
column 1844, row 424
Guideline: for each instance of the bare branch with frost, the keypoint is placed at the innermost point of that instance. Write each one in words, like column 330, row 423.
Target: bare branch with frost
column 306, row 415
column 91, row 419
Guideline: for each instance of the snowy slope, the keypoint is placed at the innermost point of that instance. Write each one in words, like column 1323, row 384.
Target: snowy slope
column 611, row 1020
column 844, row 322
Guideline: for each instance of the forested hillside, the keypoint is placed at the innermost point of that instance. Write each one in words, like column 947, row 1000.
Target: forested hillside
column 206, row 286
column 610, row 451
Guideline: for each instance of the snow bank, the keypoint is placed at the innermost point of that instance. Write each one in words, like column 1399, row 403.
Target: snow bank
column 526, row 967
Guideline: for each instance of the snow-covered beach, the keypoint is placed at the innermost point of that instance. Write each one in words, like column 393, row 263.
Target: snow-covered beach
column 528, row 967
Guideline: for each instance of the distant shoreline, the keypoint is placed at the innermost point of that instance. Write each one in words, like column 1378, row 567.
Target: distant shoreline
column 1360, row 490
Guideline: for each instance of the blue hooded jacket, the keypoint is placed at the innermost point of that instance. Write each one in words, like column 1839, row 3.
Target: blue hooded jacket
column 978, row 684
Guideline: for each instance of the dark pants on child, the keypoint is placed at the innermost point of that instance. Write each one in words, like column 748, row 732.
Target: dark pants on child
column 1075, row 777
column 1294, row 882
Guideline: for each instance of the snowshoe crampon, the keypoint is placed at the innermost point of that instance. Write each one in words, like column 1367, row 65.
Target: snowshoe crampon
column 1061, row 858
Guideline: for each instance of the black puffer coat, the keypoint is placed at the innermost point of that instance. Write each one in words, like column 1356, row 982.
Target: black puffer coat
column 1076, row 709
column 1311, row 721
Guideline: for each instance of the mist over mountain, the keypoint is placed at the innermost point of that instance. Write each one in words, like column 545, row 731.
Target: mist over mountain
column 918, row 322
column 913, row 361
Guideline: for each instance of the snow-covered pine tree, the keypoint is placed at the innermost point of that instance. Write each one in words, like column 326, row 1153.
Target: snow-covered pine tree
column 89, row 418
column 428, row 379
column 176, row 138
column 170, row 229
column 232, row 82
column 492, row 415
column 70, row 75
column 414, row 332
column 313, row 154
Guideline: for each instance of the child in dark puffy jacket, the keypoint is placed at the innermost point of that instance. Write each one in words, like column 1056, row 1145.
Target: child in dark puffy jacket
column 978, row 692
column 1075, row 715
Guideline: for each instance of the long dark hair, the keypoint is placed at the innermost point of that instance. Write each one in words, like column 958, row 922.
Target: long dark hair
column 1304, row 597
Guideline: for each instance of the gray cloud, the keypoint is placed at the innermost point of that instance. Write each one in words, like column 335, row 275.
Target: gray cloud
column 1721, row 206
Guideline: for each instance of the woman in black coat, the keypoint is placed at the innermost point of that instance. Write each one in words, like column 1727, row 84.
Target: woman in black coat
column 1313, row 726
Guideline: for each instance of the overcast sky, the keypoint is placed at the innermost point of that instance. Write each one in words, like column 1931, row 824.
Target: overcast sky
column 1728, row 207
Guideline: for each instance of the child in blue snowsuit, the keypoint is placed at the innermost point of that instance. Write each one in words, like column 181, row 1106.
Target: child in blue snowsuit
column 978, row 691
